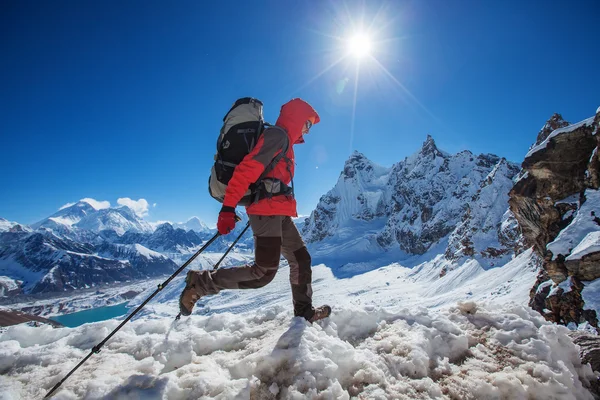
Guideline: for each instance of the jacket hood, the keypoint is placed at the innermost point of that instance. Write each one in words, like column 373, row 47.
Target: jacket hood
column 292, row 117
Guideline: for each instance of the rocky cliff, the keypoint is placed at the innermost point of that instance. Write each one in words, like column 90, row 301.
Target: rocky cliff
column 556, row 201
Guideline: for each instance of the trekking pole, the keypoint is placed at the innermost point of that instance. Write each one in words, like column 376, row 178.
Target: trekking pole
column 224, row 255
column 96, row 348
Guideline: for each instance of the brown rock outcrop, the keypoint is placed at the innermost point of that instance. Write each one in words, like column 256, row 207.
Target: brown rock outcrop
column 557, row 171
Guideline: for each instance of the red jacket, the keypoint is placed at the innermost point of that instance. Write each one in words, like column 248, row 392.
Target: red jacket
column 292, row 118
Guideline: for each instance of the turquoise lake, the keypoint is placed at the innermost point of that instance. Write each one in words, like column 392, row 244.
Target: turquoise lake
column 94, row 315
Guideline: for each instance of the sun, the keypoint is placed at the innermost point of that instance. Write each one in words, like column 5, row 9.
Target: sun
column 359, row 45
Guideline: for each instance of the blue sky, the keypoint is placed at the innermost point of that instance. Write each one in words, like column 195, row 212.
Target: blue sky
column 117, row 99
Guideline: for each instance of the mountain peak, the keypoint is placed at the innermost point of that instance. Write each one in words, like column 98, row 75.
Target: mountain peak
column 356, row 156
column 356, row 162
column 429, row 148
column 556, row 121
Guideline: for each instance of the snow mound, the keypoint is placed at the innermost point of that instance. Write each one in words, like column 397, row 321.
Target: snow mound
column 466, row 351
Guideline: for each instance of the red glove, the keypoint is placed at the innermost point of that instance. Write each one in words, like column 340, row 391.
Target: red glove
column 226, row 221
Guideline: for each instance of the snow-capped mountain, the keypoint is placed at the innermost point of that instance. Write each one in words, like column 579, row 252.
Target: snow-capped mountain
column 459, row 202
column 88, row 243
column 44, row 262
column 165, row 238
column 194, row 224
column 120, row 220
column 67, row 216
column 5, row 225
column 84, row 216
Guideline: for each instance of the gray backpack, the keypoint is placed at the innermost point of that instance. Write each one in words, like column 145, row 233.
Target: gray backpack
column 242, row 126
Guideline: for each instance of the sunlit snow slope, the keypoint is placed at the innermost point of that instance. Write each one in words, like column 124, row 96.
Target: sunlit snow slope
column 395, row 333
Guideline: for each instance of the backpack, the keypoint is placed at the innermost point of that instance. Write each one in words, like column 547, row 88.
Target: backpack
column 242, row 126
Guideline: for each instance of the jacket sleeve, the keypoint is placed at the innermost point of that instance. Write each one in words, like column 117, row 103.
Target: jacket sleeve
column 271, row 143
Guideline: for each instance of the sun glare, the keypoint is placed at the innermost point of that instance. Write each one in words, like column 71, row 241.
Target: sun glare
column 359, row 45
column 363, row 37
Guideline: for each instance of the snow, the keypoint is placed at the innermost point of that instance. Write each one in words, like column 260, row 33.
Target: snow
column 591, row 295
column 581, row 233
column 573, row 199
column 466, row 351
column 5, row 225
column 12, row 268
column 395, row 332
column 64, row 221
column 146, row 252
column 195, row 224
column 560, row 131
column 522, row 175
column 589, row 244
column 7, row 284
column 411, row 207
column 91, row 215
column 565, row 285
column 98, row 205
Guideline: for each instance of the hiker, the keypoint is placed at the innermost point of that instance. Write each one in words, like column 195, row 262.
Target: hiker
column 270, row 217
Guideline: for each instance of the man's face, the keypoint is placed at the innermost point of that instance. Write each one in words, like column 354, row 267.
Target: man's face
column 306, row 127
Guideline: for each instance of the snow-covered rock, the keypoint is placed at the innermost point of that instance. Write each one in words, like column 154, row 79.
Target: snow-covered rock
column 9, row 286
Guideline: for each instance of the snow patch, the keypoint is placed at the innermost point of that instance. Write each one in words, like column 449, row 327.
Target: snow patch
column 12, row 268
column 66, row 206
column 146, row 252
column 575, row 234
column 565, row 285
column 589, row 244
column 591, row 295
column 544, row 285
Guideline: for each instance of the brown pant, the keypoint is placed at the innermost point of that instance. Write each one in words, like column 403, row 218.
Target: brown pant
column 273, row 236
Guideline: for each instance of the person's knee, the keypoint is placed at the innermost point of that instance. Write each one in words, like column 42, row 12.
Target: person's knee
column 266, row 278
column 304, row 265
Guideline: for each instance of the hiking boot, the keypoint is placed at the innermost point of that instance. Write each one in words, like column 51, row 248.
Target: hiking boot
column 321, row 312
column 189, row 295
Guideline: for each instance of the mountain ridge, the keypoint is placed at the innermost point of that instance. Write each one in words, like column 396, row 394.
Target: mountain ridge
column 418, row 202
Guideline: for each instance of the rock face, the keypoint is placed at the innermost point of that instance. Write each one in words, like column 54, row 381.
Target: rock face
column 419, row 202
column 555, row 202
